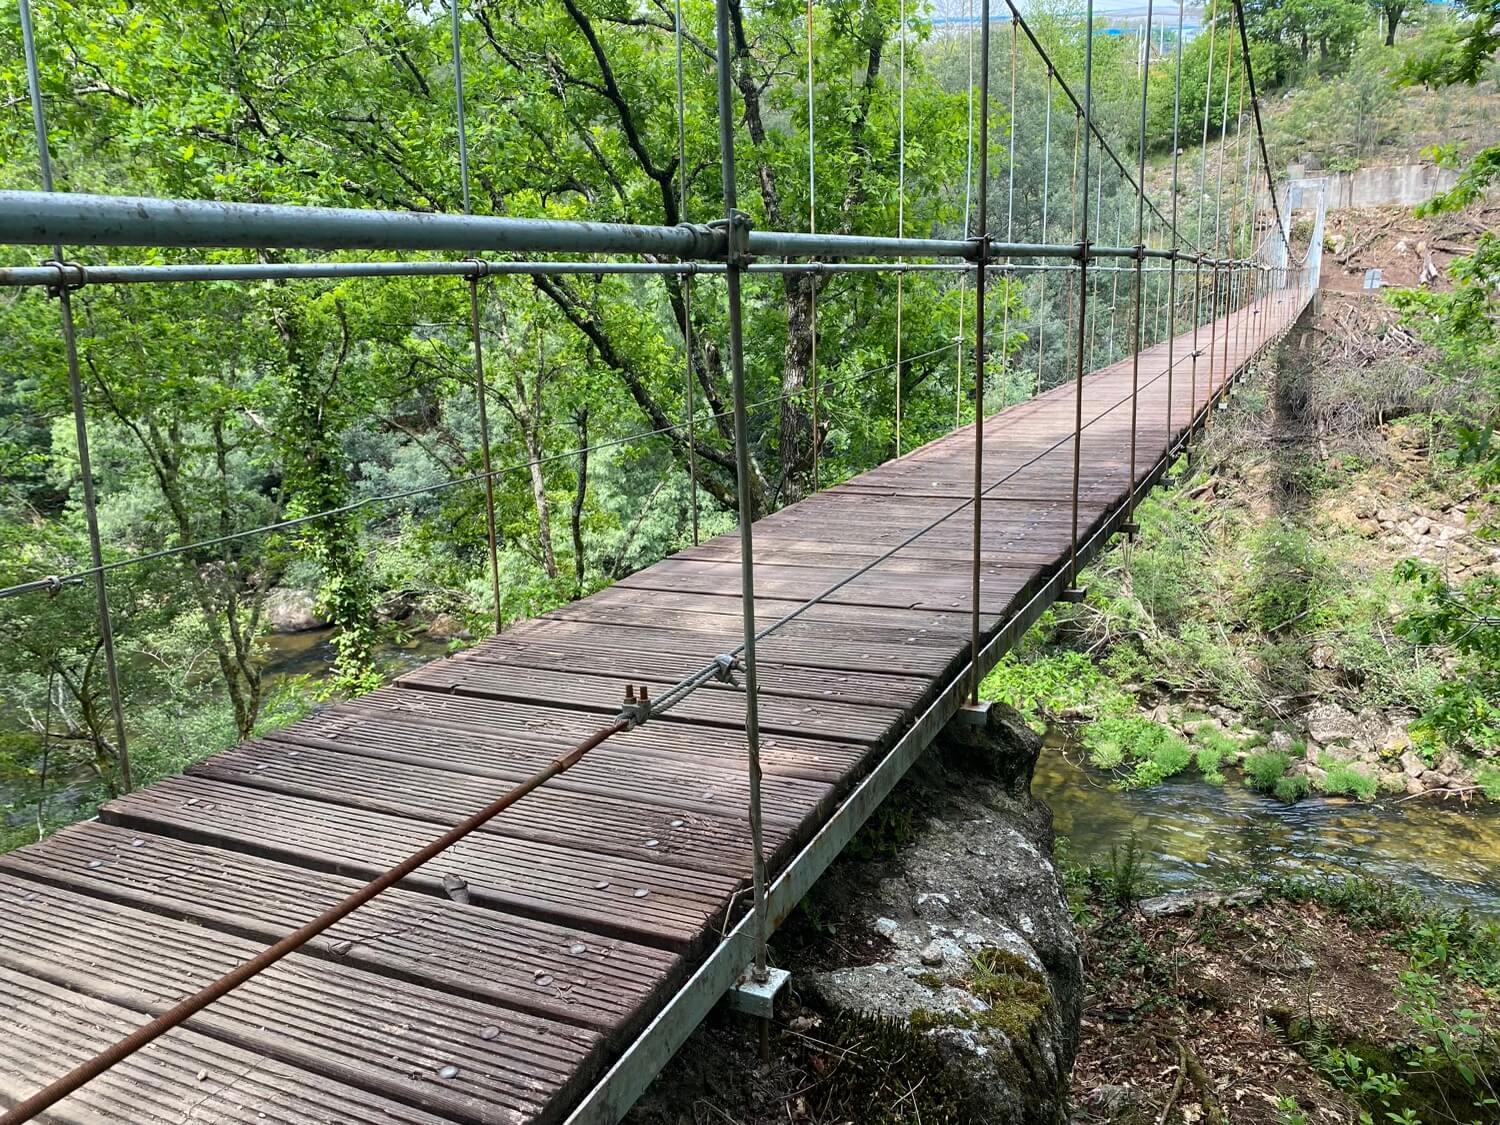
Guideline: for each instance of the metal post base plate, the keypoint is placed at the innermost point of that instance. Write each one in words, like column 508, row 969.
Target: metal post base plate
column 974, row 714
column 758, row 997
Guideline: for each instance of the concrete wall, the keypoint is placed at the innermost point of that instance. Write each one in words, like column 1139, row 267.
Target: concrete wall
column 1380, row 186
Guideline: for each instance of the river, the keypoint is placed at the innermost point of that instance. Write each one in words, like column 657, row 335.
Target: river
column 1196, row 834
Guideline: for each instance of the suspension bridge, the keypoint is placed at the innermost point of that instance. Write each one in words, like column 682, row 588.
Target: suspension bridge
column 508, row 886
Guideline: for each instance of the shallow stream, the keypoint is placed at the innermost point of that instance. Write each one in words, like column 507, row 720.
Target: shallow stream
column 1192, row 833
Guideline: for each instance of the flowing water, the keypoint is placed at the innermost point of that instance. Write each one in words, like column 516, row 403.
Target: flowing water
column 1195, row 834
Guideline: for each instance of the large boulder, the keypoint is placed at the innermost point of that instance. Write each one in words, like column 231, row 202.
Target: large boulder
column 982, row 956
column 1328, row 722
column 291, row 611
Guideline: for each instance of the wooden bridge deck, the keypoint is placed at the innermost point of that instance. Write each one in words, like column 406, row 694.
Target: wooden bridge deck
column 590, row 901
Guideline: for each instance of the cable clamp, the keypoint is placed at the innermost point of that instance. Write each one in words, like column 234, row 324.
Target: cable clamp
column 1140, row 252
column 724, row 668
column 481, row 268
column 636, row 709
column 65, row 284
column 980, row 255
column 707, row 237
column 53, row 584
column 736, row 231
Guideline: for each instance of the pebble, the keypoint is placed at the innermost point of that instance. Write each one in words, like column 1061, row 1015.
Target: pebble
column 641, row 892
column 491, row 1032
column 449, row 1071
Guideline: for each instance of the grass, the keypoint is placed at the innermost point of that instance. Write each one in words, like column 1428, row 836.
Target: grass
column 1342, row 779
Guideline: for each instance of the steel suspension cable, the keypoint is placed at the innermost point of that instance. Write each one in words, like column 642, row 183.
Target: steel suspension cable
column 963, row 278
column 1074, row 591
column 1077, row 105
column 734, row 260
column 1260, row 132
column 900, row 208
column 981, row 278
column 1010, row 222
column 80, row 418
column 1140, row 261
column 1233, row 274
column 481, row 387
column 812, row 287
column 1041, row 320
column 688, row 346
column 1172, row 275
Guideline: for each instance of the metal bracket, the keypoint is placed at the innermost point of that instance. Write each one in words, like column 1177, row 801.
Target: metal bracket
column 758, row 997
column 974, row 714
column 1074, row 594
column 1130, row 528
column 736, row 231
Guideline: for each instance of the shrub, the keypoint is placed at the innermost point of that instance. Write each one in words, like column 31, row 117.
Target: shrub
column 1156, row 751
column 1342, row 779
column 1265, row 769
column 1489, row 781
column 1050, row 685
column 1290, row 789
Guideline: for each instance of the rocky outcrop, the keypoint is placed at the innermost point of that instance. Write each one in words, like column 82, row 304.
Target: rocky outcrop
column 981, row 956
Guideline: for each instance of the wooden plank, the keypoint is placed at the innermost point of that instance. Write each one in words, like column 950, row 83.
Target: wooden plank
column 650, row 834
column 563, row 727
column 183, row 1076
column 712, row 705
column 938, row 591
column 560, row 885
column 392, row 1038
column 425, row 940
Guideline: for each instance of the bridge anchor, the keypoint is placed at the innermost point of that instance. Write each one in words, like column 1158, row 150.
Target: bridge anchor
column 753, row 997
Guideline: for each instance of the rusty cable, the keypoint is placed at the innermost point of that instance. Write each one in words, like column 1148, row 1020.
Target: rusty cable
column 121, row 1050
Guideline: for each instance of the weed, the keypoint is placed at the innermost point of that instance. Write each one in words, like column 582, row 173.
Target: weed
column 1264, row 769
column 886, row 834
column 1049, row 686
column 1290, row 789
column 1344, row 779
column 1123, row 879
column 886, row 1071
column 1153, row 751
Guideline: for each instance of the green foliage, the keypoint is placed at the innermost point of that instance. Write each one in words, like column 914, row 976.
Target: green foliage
column 1345, row 779
column 1153, row 751
column 1049, row 686
column 1290, row 789
column 1124, row 878
column 1285, row 580
column 887, row 1072
column 1264, row 769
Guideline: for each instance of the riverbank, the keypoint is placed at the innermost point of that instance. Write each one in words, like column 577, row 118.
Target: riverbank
column 1284, row 1003
column 1266, row 625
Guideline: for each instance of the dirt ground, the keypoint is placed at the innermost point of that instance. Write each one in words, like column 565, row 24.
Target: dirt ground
column 1407, row 250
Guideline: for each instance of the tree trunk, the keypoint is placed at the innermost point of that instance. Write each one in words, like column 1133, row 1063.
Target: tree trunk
column 796, row 442
column 579, row 494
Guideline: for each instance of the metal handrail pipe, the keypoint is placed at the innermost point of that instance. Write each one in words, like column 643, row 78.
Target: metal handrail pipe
column 116, row 220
